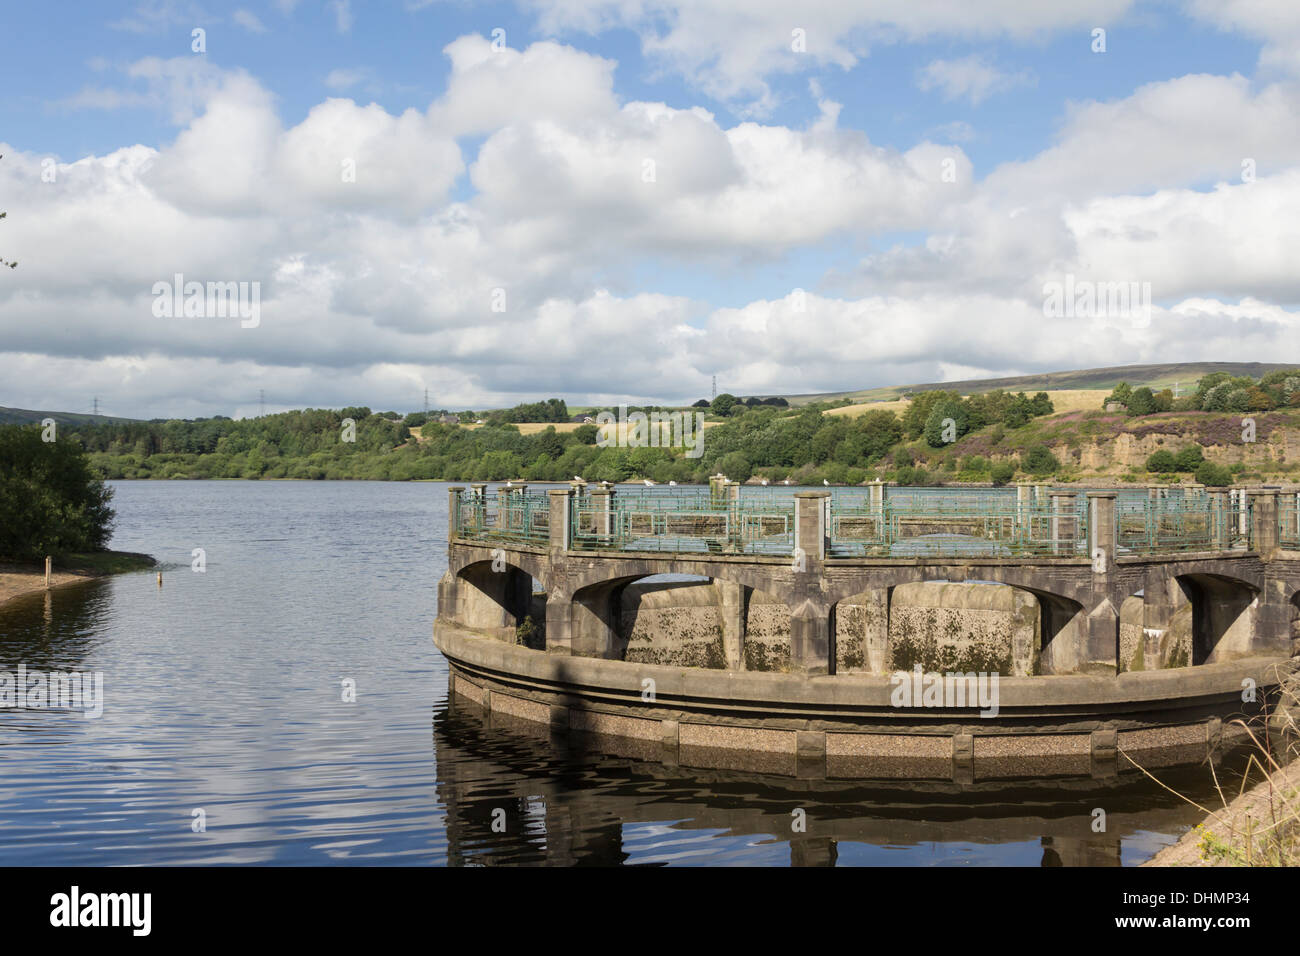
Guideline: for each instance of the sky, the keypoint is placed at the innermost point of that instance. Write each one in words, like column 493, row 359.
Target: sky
column 618, row 200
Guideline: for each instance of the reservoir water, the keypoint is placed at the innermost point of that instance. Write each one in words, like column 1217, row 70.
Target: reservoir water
column 226, row 737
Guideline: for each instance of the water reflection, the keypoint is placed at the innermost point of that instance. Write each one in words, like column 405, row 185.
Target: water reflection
column 514, row 794
column 222, row 692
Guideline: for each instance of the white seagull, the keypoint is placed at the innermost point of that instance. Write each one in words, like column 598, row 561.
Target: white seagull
column 672, row 484
column 649, row 483
column 764, row 482
column 826, row 483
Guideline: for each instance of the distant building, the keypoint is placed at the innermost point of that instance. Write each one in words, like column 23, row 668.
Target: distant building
column 583, row 420
column 448, row 419
column 1115, row 407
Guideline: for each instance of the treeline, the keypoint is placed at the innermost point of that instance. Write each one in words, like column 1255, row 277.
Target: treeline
column 1216, row 392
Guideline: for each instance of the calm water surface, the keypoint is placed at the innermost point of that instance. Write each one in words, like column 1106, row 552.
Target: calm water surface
column 224, row 693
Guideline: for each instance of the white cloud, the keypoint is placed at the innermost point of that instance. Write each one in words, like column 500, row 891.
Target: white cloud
column 372, row 287
column 972, row 78
column 729, row 48
column 248, row 20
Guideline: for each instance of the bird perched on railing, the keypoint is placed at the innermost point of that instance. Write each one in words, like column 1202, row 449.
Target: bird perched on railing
column 648, row 483
column 672, row 484
column 826, row 483
column 764, row 482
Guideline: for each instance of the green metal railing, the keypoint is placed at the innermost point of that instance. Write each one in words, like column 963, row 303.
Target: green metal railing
column 1288, row 521
column 514, row 516
column 956, row 527
column 655, row 522
column 909, row 523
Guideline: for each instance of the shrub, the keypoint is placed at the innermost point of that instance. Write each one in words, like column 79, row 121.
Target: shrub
column 1161, row 461
column 1039, row 461
column 1002, row 472
column 50, row 500
column 1214, row 475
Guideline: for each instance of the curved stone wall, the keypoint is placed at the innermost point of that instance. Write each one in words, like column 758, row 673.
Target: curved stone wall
column 847, row 725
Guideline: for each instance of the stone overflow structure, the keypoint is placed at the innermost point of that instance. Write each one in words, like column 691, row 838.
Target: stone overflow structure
column 1085, row 632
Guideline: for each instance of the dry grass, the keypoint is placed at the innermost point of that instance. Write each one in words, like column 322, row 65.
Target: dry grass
column 898, row 406
column 1259, row 826
column 1064, row 400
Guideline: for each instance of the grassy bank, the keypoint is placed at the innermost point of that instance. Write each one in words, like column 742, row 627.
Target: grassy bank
column 1259, row 823
column 22, row 577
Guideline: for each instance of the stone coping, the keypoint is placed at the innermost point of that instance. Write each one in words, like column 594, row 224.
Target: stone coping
column 1068, row 696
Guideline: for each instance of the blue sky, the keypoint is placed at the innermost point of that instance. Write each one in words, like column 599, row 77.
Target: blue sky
column 518, row 170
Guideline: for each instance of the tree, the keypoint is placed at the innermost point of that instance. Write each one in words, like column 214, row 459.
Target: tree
column 938, row 430
column 586, row 434
column 735, row 466
column 702, row 403
column 1215, row 476
column 1188, row 459
column 50, row 500
column 1161, row 462
column 1142, row 402
column 1122, row 393
column 723, row 404
column 1040, row 461
column 1002, row 472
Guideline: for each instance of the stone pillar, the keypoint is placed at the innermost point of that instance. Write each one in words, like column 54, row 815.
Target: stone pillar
column 810, row 524
column 717, row 490
column 1024, row 506
column 1065, row 522
column 876, row 636
column 877, row 497
column 811, row 635
column 602, row 500
column 1162, row 598
column 453, row 511
column 558, row 500
column 733, row 600
column 478, row 505
column 1101, row 647
column 735, row 532
column 1220, row 533
column 1264, row 525
column 1042, row 491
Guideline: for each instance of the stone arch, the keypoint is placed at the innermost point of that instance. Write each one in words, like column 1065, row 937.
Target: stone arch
column 493, row 595
column 702, row 623
column 1054, row 643
column 1224, row 616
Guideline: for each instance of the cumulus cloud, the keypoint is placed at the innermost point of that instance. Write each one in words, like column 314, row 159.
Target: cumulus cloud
column 468, row 245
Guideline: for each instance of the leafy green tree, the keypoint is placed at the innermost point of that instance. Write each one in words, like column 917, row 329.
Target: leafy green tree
column 937, row 430
column 1122, row 393
column 1189, row 458
column 736, row 466
column 1002, row 472
column 723, row 404
column 1216, row 476
column 1142, row 402
column 1161, row 462
column 1039, row 461
column 51, row 502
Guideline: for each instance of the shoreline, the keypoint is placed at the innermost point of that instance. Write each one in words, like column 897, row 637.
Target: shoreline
column 1257, row 827
column 19, row 578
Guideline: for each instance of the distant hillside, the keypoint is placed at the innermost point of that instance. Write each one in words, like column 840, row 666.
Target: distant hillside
column 1164, row 376
column 25, row 416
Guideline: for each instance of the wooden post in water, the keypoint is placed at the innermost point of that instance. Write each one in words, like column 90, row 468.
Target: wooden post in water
column 47, row 572
column 160, row 579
